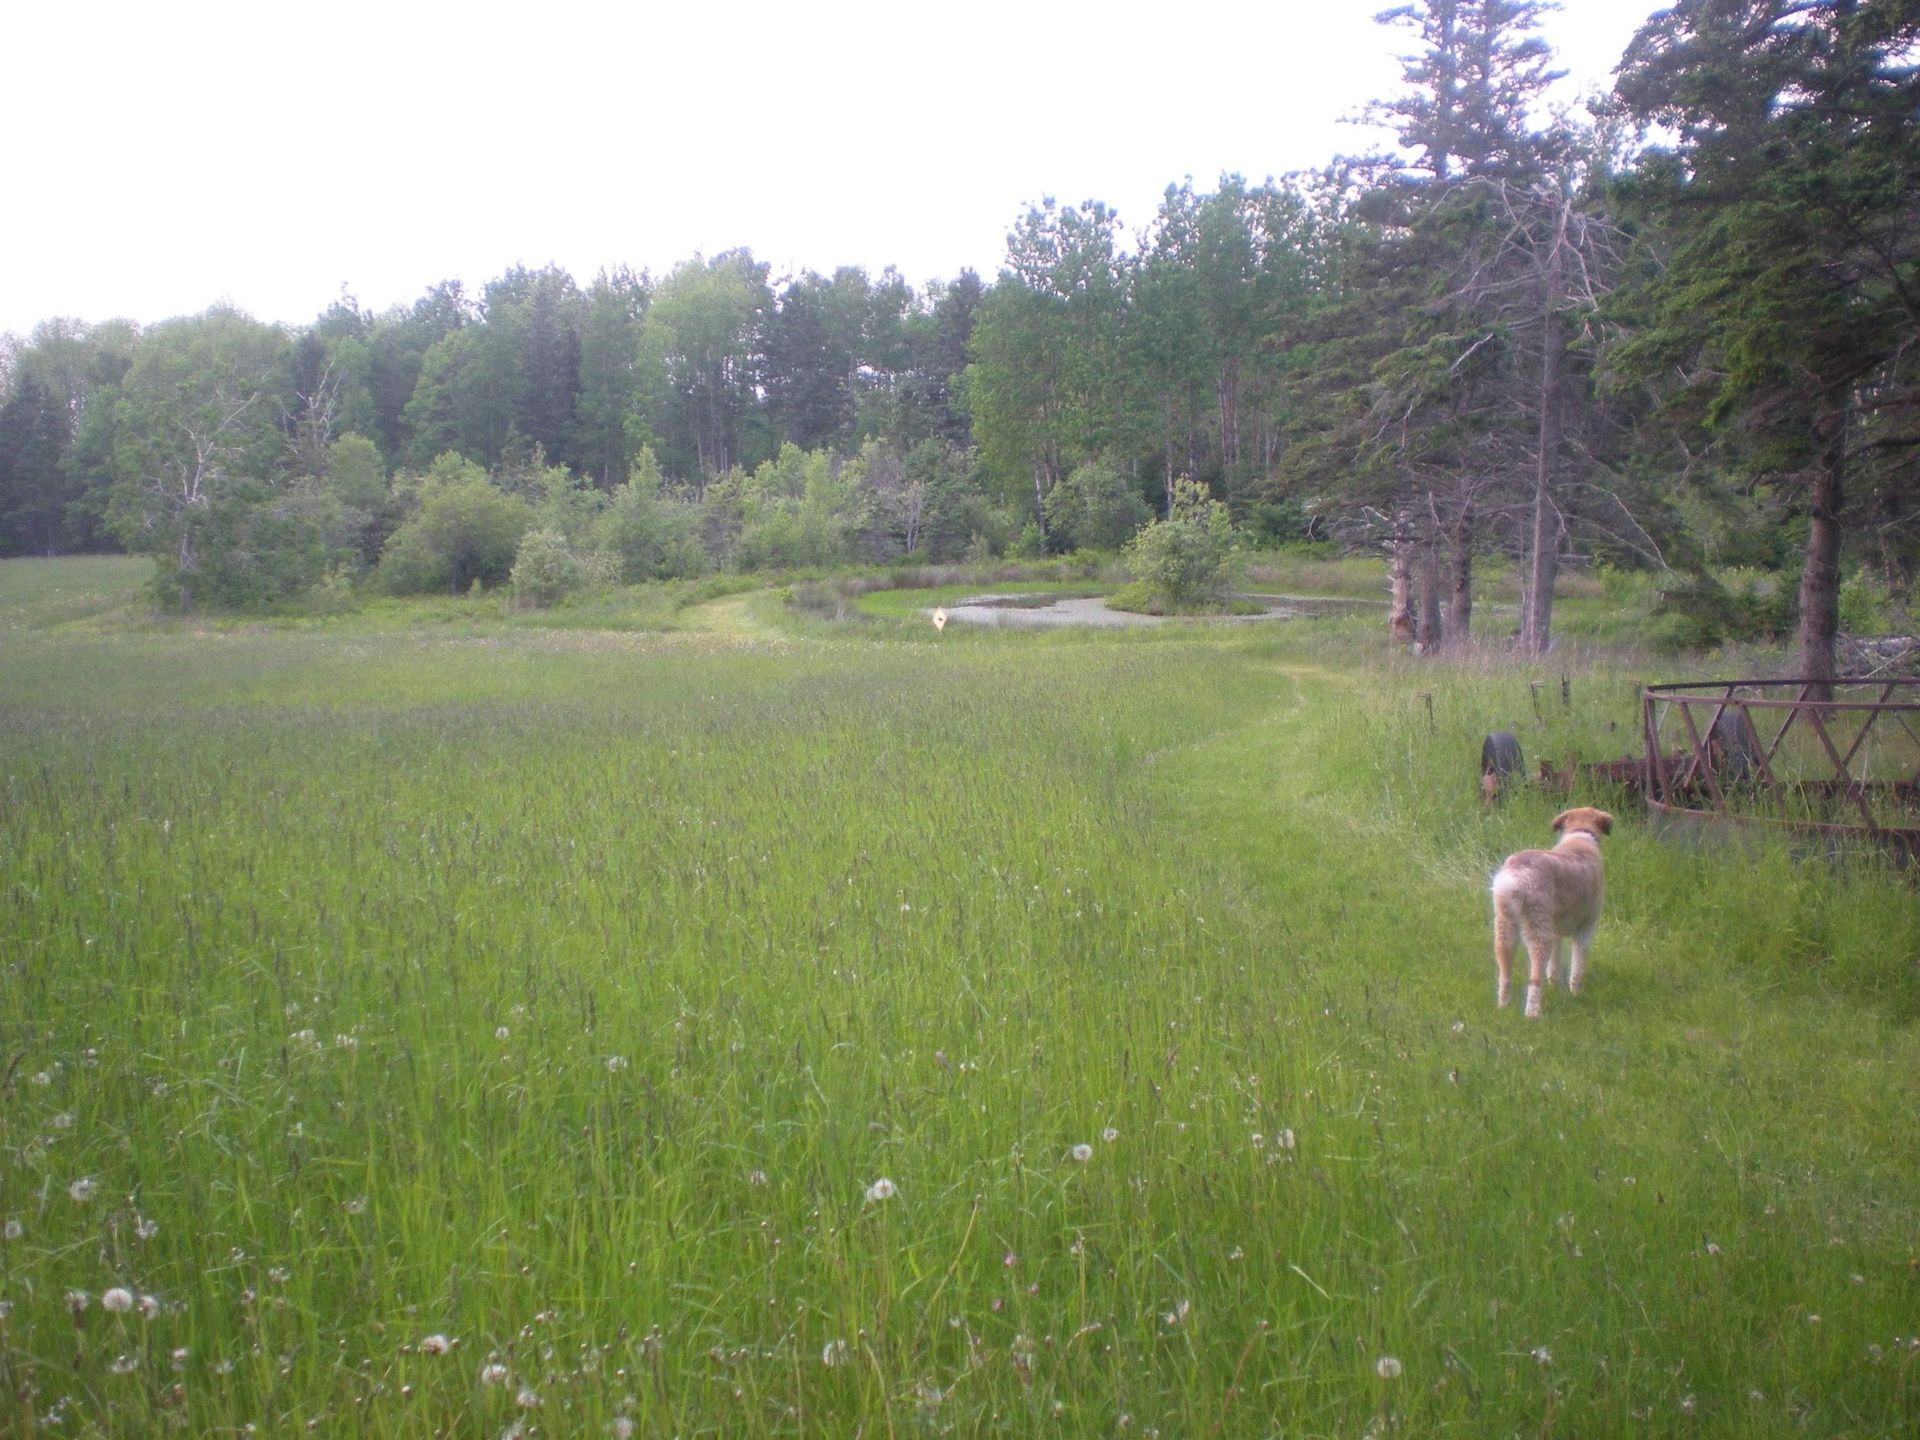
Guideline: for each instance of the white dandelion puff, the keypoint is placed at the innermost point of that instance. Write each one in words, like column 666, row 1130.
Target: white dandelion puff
column 117, row 1301
column 14, row 1230
column 146, row 1229
column 1284, row 1140
column 1177, row 1314
column 1387, row 1368
column 1541, row 1355
column 502, row 1033
column 616, row 1063
column 881, row 1189
column 833, row 1353
column 1109, row 1134
column 81, row 1190
column 149, row 1307
column 124, row 1365
column 179, row 1358
column 493, row 1373
column 1083, row 1153
column 623, row 1428
column 435, row 1345
column 528, row 1398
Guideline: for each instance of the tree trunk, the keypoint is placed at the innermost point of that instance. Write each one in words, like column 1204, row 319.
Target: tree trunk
column 1536, row 625
column 1400, row 576
column 1429, row 635
column 1820, row 576
column 1460, row 604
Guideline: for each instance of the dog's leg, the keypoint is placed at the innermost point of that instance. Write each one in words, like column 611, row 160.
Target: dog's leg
column 1577, row 973
column 1505, row 937
column 1556, row 962
column 1541, row 945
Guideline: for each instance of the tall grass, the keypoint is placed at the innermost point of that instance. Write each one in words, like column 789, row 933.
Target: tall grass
column 567, row 994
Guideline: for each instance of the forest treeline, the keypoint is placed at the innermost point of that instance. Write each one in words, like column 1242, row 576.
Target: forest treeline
column 1677, row 333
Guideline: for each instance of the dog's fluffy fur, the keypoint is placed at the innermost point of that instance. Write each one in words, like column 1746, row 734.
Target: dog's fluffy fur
column 1546, row 896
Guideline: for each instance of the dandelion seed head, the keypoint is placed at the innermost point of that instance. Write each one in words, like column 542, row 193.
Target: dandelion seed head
column 435, row 1345
column 1178, row 1313
column 149, row 1307
column 623, row 1428
column 528, row 1398
column 501, row 1032
column 81, row 1190
column 1109, row 1134
column 1387, row 1368
column 124, row 1365
column 493, row 1373
column 146, row 1229
column 14, row 1230
column 117, row 1301
column 1083, row 1153
column 756, row 1177
column 833, row 1353
column 616, row 1063
column 41, row 1077
column 881, row 1189
column 1542, row 1355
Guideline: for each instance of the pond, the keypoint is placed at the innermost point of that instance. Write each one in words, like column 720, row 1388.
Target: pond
column 1093, row 610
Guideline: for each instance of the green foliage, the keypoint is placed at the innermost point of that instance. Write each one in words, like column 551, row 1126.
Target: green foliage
column 1095, row 508
column 464, row 532
column 545, row 569
column 1192, row 559
column 648, row 534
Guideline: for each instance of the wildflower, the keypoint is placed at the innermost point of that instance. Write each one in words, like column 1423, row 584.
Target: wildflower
column 1236, row 1253
column 1686, row 1404
column 1109, row 1134
column 1387, row 1368
column 493, row 1373
column 616, row 1063
column 881, row 1189
column 1712, row 1249
column 41, row 1077
column 124, row 1365
column 435, row 1345
column 14, row 1230
column 502, row 1033
column 146, row 1229
column 756, row 1177
column 117, row 1301
column 623, row 1428
column 81, row 1190
column 1259, row 1141
column 1010, row 1259
column 63, row 1121
column 1813, row 1319
column 77, row 1301
column 1542, row 1355
column 1284, row 1139
column 1083, row 1153
column 355, row 1205
column 1459, row 1026
column 346, row 1042
column 179, row 1358
column 527, row 1399
column 149, row 1306
column 1177, row 1314
column 833, row 1353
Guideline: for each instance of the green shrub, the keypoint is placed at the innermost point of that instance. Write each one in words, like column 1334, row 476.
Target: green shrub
column 546, row 570
column 1190, row 561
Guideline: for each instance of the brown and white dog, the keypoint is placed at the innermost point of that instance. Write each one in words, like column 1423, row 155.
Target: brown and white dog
column 1546, row 896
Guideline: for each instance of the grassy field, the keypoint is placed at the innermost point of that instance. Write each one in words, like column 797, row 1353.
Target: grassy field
column 433, row 1022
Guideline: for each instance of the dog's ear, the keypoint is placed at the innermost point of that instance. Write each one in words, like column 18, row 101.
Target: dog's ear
column 1606, row 822
column 1560, row 822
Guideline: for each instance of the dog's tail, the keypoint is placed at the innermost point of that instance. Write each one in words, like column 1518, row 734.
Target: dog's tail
column 1505, row 882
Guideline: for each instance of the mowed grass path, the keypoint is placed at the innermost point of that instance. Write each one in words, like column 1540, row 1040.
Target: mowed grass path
column 567, row 994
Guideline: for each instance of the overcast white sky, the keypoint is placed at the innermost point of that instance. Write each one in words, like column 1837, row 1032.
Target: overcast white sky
column 160, row 157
